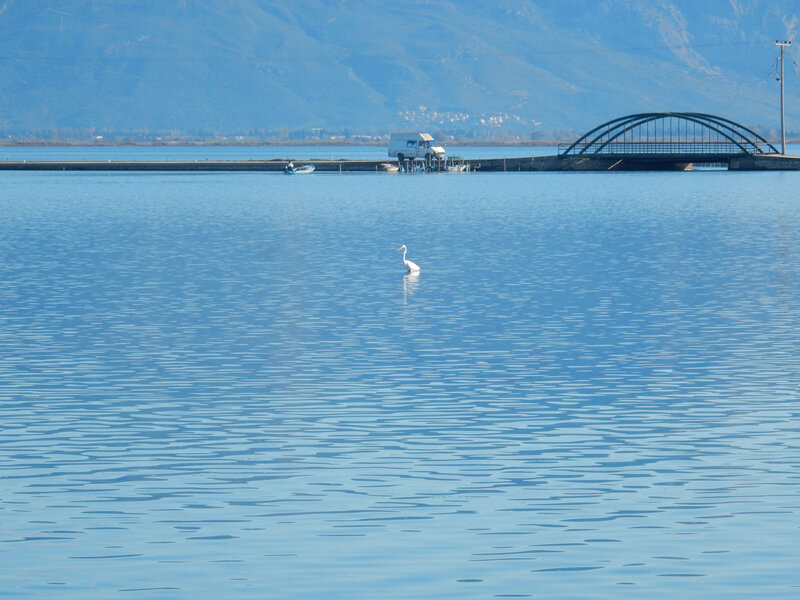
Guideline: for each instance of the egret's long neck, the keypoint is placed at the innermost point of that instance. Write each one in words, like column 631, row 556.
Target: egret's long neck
column 404, row 254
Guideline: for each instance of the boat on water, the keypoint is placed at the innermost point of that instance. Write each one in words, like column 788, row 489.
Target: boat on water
column 290, row 169
column 456, row 164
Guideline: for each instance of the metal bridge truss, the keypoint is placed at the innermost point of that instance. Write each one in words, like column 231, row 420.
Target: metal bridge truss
column 676, row 134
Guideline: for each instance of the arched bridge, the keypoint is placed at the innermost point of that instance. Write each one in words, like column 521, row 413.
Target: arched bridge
column 671, row 140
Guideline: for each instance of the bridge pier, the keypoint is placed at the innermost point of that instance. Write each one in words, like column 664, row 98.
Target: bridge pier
column 627, row 164
column 585, row 163
column 770, row 162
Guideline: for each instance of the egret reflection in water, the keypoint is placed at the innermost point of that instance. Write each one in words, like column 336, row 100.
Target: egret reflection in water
column 410, row 284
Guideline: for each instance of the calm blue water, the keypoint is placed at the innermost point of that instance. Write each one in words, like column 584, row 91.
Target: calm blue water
column 249, row 152
column 262, row 152
column 224, row 386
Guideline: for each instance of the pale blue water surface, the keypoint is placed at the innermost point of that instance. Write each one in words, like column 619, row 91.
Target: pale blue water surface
column 224, row 386
column 262, row 152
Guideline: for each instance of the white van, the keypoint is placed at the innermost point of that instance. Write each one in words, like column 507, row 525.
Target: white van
column 414, row 145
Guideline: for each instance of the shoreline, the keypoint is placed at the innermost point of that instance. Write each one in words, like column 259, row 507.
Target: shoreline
column 289, row 144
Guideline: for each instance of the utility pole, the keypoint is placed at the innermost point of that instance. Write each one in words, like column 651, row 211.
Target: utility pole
column 780, row 78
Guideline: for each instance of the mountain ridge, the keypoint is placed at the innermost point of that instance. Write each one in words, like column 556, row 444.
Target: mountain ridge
column 258, row 69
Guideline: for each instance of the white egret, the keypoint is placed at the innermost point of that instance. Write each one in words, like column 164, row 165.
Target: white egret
column 411, row 266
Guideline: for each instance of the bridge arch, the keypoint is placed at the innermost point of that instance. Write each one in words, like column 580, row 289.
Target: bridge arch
column 670, row 133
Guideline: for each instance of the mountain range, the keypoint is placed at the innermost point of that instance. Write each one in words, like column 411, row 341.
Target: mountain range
column 548, row 69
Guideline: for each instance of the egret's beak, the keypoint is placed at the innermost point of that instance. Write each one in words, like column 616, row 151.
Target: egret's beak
column 400, row 248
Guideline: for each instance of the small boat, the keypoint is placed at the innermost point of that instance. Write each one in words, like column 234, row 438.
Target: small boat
column 390, row 168
column 456, row 165
column 290, row 169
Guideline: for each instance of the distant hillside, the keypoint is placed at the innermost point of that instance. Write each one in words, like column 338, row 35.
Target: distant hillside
column 537, row 68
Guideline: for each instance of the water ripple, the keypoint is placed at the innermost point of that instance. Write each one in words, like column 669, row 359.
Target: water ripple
column 586, row 391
